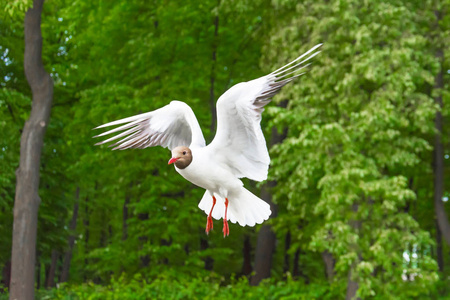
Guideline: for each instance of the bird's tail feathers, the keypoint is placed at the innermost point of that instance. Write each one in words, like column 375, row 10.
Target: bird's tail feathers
column 243, row 207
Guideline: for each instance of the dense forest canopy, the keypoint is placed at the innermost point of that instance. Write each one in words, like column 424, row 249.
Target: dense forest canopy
column 358, row 181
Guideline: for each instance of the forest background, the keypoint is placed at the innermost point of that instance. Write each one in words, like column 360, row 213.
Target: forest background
column 359, row 146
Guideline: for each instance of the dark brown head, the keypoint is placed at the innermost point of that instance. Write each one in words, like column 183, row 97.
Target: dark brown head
column 181, row 156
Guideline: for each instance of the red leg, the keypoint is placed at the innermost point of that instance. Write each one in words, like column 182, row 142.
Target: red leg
column 209, row 221
column 226, row 229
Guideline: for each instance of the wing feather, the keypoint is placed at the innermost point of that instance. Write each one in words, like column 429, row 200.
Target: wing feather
column 239, row 142
column 170, row 126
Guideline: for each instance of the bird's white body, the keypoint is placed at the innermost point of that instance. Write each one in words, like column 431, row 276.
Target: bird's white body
column 238, row 149
column 216, row 178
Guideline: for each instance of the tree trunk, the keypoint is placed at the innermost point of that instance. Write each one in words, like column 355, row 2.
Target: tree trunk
column 86, row 234
column 71, row 241
column 439, row 254
column 213, row 72
column 209, row 261
column 50, row 278
column 125, row 213
column 145, row 259
column 296, row 265
column 125, row 218
column 352, row 284
column 265, row 246
column 287, row 246
column 296, row 270
column 38, row 272
column 246, row 252
column 6, row 274
column 103, row 241
column 27, row 200
column 329, row 264
column 438, row 153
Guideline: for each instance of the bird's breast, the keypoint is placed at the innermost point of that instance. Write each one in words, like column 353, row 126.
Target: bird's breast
column 206, row 173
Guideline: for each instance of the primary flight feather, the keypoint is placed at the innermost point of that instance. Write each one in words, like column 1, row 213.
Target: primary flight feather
column 238, row 149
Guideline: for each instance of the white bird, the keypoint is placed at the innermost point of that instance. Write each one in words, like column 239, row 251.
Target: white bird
column 238, row 149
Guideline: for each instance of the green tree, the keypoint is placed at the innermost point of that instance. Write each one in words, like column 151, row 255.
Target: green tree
column 354, row 176
column 358, row 143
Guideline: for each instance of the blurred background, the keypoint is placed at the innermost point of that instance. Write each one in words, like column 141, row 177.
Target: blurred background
column 360, row 149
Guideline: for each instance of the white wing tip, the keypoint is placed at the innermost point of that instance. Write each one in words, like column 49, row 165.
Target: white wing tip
column 101, row 126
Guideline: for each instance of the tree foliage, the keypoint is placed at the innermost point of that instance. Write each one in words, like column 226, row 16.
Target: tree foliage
column 354, row 173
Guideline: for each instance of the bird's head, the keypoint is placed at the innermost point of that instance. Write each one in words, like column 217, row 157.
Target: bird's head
column 181, row 157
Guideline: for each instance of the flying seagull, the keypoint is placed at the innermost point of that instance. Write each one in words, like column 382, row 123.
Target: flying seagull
column 238, row 149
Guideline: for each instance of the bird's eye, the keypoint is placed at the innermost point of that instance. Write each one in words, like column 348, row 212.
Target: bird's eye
column 184, row 152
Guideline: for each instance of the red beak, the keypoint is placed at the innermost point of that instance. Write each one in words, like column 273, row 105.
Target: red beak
column 172, row 160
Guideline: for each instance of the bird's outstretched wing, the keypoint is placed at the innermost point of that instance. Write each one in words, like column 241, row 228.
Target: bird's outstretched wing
column 170, row 126
column 239, row 141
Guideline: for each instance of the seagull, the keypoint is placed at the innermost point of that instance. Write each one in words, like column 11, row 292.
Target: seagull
column 238, row 149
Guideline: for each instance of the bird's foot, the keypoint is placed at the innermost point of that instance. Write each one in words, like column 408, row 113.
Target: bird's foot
column 209, row 224
column 209, row 221
column 226, row 229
